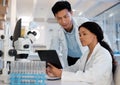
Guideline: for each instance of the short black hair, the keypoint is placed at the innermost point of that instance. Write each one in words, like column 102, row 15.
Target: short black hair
column 60, row 5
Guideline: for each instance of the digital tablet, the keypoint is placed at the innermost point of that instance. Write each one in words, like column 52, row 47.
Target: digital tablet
column 50, row 56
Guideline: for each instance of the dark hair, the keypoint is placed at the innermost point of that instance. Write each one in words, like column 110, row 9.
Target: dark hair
column 60, row 5
column 96, row 29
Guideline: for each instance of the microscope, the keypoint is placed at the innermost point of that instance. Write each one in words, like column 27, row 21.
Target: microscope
column 21, row 48
column 24, row 44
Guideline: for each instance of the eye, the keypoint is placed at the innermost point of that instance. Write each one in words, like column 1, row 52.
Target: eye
column 66, row 16
column 58, row 18
column 84, row 34
column 79, row 34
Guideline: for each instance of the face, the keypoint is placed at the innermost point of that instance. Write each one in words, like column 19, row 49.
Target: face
column 87, row 38
column 64, row 18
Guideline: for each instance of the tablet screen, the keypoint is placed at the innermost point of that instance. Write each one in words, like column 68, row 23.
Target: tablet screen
column 50, row 56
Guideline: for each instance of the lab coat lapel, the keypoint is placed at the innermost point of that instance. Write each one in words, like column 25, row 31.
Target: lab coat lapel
column 92, row 56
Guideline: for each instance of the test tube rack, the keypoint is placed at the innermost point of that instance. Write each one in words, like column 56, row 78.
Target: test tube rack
column 27, row 79
column 27, row 73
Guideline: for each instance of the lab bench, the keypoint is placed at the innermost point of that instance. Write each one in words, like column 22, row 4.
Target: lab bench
column 59, row 82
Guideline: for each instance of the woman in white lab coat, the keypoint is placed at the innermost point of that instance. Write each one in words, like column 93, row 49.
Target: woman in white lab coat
column 95, row 66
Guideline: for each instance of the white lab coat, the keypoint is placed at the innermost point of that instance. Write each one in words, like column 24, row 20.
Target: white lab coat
column 59, row 41
column 98, row 69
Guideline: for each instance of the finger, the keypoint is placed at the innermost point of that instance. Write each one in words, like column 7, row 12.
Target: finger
column 50, row 65
column 49, row 73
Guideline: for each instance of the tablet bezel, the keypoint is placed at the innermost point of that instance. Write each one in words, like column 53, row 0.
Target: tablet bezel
column 50, row 56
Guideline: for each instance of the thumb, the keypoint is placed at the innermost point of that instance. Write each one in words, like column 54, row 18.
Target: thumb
column 50, row 65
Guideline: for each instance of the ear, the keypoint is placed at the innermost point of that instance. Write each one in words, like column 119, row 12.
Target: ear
column 71, row 12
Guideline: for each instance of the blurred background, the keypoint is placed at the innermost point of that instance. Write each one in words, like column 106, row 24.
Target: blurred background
column 36, row 14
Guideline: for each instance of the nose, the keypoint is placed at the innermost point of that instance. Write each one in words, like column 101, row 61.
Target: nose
column 80, row 37
column 63, row 20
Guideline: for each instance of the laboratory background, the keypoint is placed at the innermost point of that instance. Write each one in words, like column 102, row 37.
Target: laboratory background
column 36, row 15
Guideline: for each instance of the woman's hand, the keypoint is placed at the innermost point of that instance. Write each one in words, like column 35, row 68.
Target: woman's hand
column 52, row 71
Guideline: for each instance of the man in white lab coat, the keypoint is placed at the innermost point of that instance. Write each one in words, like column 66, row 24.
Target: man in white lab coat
column 66, row 42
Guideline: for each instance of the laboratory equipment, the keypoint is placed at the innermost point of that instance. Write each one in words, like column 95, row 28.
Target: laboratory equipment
column 20, row 50
column 22, row 44
column 27, row 73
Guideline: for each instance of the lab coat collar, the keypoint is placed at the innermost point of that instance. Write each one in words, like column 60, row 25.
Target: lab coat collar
column 94, row 51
